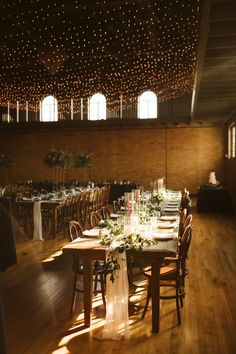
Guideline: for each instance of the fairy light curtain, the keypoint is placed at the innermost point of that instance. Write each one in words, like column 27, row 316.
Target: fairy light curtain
column 76, row 48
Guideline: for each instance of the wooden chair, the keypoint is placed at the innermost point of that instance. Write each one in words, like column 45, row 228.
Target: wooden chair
column 64, row 212
column 75, row 231
column 85, row 207
column 116, row 204
column 105, row 212
column 173, row 276
column 107, row 192
column 93, row 219
column 186, row 201
column 188, row 221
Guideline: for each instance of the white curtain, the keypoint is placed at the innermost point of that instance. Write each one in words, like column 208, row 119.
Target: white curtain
column 37, row 216
column 117, row 314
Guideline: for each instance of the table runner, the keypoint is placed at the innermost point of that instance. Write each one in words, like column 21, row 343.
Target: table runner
column 117, row 314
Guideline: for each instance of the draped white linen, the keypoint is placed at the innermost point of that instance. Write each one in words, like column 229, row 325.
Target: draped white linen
column 37, row 217
column 117, row 315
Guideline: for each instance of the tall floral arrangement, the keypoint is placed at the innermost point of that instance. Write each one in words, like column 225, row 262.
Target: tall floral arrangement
column 154, row 205
column 58, row 161
column 84, row 162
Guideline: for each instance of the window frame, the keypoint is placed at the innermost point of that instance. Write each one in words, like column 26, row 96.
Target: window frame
column 53, row 113
column 147, row 102
column 232, row 141
column 98, row 108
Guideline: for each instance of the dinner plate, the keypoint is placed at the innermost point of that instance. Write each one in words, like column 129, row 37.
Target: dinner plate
column 91, row 233
column 163, row 236
column 170, row 210
column 114, row 216
column 172, row 203
column 95, row 232
column 168, row 218
column 165, row 225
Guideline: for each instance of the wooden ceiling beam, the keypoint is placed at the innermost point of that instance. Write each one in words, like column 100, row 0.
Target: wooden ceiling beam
column 220, row 99
column 223, row 11
column 222, row 42
column 226, row 28
column 219, row 63
column 221, row 84
column 217, row 90
column 212, row 73
column 221, row 53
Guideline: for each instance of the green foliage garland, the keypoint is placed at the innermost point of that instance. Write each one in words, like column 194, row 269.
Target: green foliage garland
column 117, row 241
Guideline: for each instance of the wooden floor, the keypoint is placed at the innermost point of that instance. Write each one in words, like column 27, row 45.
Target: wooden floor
column 37, row 294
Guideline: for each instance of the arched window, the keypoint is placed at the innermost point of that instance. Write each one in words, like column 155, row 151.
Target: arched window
column 49, row 109
column 147, row 105
column 97, row 107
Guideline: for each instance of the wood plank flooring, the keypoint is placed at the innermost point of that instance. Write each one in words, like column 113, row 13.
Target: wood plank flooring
column 37, row 295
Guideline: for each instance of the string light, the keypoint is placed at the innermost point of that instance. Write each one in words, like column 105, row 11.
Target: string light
column 75, row 49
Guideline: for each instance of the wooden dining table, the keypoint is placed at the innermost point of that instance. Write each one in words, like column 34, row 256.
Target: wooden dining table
column 89, row 249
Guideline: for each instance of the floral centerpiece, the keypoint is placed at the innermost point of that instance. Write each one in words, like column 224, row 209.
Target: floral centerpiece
column 59, row 161
column 83, row 161
column 154, row 205
column 119, row 242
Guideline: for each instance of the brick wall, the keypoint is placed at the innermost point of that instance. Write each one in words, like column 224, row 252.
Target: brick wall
column 185, row 155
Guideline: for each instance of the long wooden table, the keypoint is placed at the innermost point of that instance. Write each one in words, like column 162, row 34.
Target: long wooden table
column 90, row 249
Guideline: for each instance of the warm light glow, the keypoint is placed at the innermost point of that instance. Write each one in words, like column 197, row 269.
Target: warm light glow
column 147, row 105
column 97, row 107
column 232, row 141
column 52, row 257
column 82, row 47
column 49, row 109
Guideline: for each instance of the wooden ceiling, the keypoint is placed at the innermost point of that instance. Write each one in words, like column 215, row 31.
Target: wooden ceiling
column 214, row 96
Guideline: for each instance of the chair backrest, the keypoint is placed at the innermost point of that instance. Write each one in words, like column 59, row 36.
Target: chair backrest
column 94, row 219
column 182, row 217
column 116, row 205
column 184, row 245
column 75, row 230
column 102, row 197
column 188, row 221
column 186, row 201
column 108, row 188
column 105, row 213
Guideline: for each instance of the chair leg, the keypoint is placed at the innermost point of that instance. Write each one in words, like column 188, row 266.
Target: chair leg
column 147, row 300
column 95, row 284
column 178, row 297
column 102, row 280
column 73, row 301
column 181, row 296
